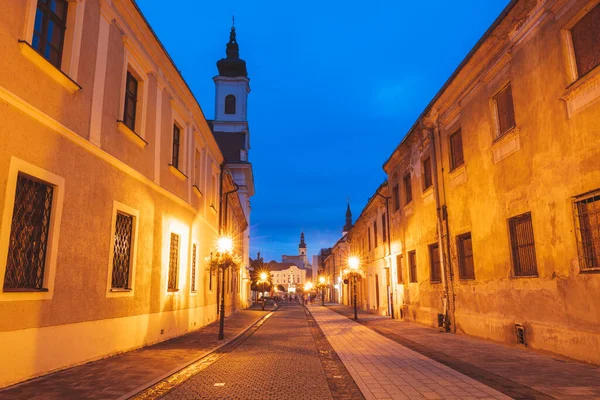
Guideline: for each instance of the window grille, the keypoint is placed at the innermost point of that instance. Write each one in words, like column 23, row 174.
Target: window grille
column 122, row 251
column 587, row 224
column 466, row 267
column 230, row 105
column 407, row 189
column 436, row 266
column 523, row 245
column 131, row 93
column 176, row 137
column 28, row 235
column 505, row 110
column 412, row 266
column 383, row 228
column 399, row 268
column 586, row 41
column 193, row 277
column 456, row 150
column 49, row 30
column 396, row 194
column 173, row 262
column 427, row 176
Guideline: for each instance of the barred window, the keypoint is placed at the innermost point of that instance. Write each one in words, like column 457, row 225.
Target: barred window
column 230, row 105
column 523, row 245
column 427, row 175
column 131, row 94
column 407, row 189
column 587, row 224
column 176, row 138
column 505, row 111
column 25, row 265
column 586, row 41
column 399, row 268
column 49, row 29
column 193, row 276
column 412, row 266
column 396, row 195
column 436, row 265
column 173, row 263
column 122, row 251
column 466, row 267
column 456, row 150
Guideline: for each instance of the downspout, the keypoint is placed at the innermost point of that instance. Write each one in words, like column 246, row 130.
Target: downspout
column 389, row 242
column 440, row 232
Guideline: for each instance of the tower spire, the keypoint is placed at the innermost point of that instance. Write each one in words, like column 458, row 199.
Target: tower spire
column 232, row 65
column 349, row 224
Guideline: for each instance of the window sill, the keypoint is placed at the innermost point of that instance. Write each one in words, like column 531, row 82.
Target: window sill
column 590, row 271
column 457, row 176
column 197, row 191
column 524, row 276
column 582, row 93
column 120, row 290
column 172, row 290
column 506, row 145
column 24, row 290
column 177, row 172
column 36, row 58
column 131, row 135
column 407, row 209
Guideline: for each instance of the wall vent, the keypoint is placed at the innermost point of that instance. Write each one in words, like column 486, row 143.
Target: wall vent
column 520, row 333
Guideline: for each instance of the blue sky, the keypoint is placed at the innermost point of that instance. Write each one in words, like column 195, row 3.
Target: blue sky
column 335, row 87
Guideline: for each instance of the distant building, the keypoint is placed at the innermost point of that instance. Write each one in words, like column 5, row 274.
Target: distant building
column 289, row 275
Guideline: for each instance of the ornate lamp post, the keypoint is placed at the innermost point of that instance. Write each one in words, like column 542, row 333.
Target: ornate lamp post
column 322, row 284
column 263, row 280
column 354, row 272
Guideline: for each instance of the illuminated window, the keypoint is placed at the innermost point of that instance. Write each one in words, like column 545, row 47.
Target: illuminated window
column 121, row 269
column 193, row 272
column 173, row 263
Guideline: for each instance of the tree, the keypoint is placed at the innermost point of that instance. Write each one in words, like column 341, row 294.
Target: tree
column 258, row 267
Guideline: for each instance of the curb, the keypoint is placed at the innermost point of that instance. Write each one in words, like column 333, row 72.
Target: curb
column 153, row 382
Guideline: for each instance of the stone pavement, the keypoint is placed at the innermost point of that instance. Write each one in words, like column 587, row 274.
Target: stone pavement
column 279, row 361
column 384, row 369
column 516, row 371
column 123, row 375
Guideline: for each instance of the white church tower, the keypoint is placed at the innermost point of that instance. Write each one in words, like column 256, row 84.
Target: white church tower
column 230, row 128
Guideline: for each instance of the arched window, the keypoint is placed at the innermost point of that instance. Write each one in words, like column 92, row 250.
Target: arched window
column 230, row 104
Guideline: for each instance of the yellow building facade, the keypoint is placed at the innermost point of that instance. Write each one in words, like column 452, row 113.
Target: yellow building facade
column 110, row 190
column 494, row 193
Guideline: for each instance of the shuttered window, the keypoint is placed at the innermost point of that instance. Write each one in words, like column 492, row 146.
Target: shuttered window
column 383, row 228
column 375, row 234
column 435, row 263
column 412, row 266
column 586, row 41
column 456, row 150
column 466, row 267
column 396, row 195
column 427, row 175
column 407, row 189
column 523, row 245
column 505, row 112
column 399, row 268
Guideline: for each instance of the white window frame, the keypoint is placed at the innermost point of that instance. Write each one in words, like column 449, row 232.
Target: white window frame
column 177, row 119
column 182, row 257
column 20, row 166
column 135, row 67
column 568, row 39
column 110, row 291
column 494, row 105
column 73, row 34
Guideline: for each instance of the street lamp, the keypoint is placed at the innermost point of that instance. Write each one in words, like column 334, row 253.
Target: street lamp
column 354, row 264
column 225, row 248
column 322, row 284
column 263, row 279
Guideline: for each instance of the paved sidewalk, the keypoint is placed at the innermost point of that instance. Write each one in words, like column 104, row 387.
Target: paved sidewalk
column 517, row 372
column 384, row 369
column 114, row 377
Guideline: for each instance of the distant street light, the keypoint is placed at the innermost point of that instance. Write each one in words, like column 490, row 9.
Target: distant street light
column 222, row 261
column 354, row 271
column 263, row 280
column 322, row 281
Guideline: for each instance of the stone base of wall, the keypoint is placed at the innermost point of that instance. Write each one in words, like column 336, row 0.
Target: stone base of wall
column 29, row 353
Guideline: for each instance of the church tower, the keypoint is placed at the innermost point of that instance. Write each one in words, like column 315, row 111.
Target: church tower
column 302, row 246
column 348, row 225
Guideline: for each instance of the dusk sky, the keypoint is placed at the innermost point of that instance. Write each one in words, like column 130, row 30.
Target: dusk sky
column 335, row 87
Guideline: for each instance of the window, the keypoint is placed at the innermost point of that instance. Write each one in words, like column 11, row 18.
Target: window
column 586, row 41
column 399, row 268
column 407, row 189
column 427, row 177
column 193, row 272
column 375, row 234
column 456, row 150
column 523, row 245
column 173, row 263
column 29, row 232
column 368, row 237
column 396, row 196
column 121, row 268
column 436, row 265
column 131, row 94
column 503, row 104
column 176, row 138
column 587, row 224
column 383, row 226
column 412, row 266
column 197, row 158
column 230, row 105
column 49, row 30
column 466, row 267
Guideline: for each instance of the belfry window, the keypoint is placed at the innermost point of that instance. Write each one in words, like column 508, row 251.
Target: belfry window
column 230, row 106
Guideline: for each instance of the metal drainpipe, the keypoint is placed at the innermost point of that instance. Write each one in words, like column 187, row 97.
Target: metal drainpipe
column 439, row 221
column 389, row 242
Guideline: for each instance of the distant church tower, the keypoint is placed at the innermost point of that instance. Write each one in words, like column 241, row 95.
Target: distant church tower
column 302, row 250
column 230, row 126
column 348, row 225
